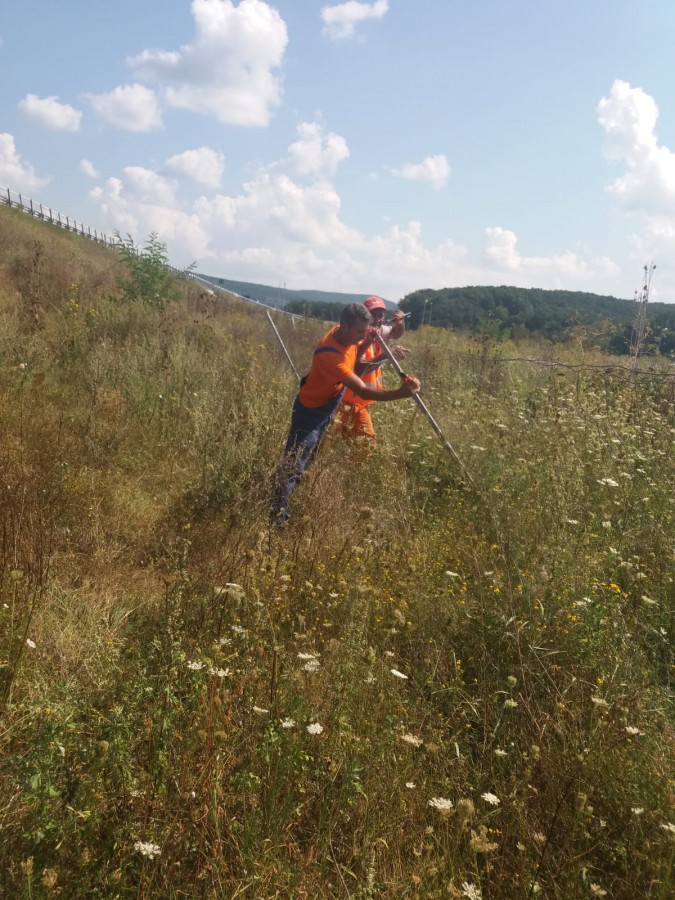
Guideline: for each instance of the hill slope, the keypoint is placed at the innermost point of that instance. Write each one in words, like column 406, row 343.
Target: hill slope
column 280, row 296
column 416, row 689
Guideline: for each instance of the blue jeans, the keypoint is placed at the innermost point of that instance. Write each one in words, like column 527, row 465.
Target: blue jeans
column 308, row 426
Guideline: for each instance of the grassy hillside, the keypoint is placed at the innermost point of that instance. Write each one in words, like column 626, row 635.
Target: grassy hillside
column 415, row 690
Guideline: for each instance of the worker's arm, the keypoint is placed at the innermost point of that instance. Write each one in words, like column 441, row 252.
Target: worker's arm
column 409, row 386
column 397, row 326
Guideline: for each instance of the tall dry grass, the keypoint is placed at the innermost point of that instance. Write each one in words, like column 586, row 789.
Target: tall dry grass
column 415, row 689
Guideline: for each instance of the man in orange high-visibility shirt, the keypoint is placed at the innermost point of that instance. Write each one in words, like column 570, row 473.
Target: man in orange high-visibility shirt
column 332, row 371
column 354, row 415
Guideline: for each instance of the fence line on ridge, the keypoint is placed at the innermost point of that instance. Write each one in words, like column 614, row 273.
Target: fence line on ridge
column 46, row 214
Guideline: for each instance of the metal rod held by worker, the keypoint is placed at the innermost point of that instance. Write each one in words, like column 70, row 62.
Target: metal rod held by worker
column 283, row 346
column 422, row 405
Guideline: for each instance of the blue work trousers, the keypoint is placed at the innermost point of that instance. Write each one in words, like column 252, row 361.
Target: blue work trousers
column 308, row 426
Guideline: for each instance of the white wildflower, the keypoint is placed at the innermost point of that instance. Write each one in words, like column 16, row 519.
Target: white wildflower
column 315, row 728
column 572, row 521
column 668, row 826
column 410, row 785
column 238, row 630
column 500, row 753
column 452, row 574
column 637, row 810
column 219, row 673
column 389, row 654
column 492, row 799
column 411, row 739
column 470, row 891
column 308, row 655
column 599, row 701
column 288, row 723
column 631, row 729
column 441, row 804
column 31, row 644
column 333, row 595
column 260, row 711
column 398, row 674
column 147, row 849
column 195, row 666
column 312, row 665
column 609, row 482
column 510, row 704
column 233, row 591
column 648, row 600
column 596, row 890
column 231, row 586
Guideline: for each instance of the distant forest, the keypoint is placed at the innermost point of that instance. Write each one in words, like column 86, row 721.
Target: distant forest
column 511, row 312
column 556, row 315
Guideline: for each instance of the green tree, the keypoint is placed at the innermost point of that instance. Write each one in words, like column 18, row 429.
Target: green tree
column 148, row 278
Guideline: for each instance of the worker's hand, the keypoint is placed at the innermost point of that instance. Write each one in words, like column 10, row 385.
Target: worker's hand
column 371, row 335
column 409, row 386
column 399, row 351
column 398, row 316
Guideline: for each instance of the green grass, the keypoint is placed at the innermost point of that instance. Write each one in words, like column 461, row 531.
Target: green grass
column 162, row 654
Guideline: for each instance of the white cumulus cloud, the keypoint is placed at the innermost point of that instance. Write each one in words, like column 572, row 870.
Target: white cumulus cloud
column 16, row 174
column 317, row 153
column 646, row 186
column 141, row 202
column 89, row 169
column 628, row 116
column 563, row 270
column 435, row 170
column 50, row 113
column 130, row 107
column 203, row 165
column 150, row 187
column 286, row 223
column 340, row 20
column 227, row 71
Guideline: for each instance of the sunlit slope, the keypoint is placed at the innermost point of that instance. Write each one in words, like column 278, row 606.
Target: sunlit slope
column 415, row 689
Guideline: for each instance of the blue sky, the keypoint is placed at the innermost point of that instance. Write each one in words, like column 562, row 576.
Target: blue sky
column 375, row 147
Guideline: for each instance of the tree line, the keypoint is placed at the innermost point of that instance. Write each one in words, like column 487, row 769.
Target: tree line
column 512, row 312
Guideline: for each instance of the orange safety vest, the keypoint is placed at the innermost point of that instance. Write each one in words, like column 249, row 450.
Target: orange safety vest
column 372, row 378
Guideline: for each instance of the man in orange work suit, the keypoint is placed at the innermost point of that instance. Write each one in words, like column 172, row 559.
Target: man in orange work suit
column 354, row 415
column 332, row 372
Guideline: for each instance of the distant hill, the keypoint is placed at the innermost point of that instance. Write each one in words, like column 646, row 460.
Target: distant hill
column 514, row 312
column 501, row 311
column 281, row 296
